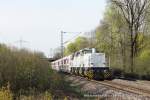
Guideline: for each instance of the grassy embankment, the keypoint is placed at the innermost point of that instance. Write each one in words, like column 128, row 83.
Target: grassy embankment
column 24, row 75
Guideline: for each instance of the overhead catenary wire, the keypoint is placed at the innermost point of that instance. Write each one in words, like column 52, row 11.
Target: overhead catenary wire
column 74, row 37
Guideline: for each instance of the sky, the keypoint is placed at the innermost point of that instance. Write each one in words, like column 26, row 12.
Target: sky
column 39, row 22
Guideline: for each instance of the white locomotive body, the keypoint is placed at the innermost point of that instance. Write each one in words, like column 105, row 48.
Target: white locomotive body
column 86, row 62
column 88, row 58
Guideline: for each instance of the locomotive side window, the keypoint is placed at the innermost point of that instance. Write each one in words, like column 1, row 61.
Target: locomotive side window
column 65, row 61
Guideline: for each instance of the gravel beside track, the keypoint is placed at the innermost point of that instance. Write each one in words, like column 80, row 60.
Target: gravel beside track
column 128, row 87
column 107, row 90
column 137, row 83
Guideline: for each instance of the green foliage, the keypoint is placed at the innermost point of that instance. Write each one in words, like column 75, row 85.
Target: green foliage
column 81, row 42
column 110, row 37
column 78, row 44
column 41, row 96
column 113, row 38
column 47, row 96
column 29, row 76
column 143, row 63
column 145, row 55
column 71, row 48
column 6, row 94
column 23, row 69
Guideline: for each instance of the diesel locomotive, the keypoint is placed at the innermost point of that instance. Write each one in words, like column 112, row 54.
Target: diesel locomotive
column 86, row 62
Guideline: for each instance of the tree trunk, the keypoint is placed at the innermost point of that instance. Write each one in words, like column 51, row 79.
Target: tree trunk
column 132, row 48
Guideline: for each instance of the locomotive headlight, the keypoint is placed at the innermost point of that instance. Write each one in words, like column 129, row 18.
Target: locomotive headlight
column 92, row 65
column 105, row 71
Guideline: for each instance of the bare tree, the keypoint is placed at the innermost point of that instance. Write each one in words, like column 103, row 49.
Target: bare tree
column 134, row 12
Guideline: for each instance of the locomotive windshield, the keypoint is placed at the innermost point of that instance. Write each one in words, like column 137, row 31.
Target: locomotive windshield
column 87, row 51
column 82, row 52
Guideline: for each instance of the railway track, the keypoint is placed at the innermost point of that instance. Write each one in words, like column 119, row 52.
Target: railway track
column 122, row 87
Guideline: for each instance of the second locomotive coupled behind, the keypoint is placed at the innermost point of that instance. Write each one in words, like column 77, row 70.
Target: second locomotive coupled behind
column 86, row 62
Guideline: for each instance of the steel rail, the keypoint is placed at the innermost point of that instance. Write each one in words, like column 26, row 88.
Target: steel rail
column 121, row 87
column 125, row 88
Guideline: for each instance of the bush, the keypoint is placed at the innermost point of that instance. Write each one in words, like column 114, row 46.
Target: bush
column 131, row 76
column 24, row 69
column 142, row 65
column 29, row 75
column 117, row 72
column 42, row 96
column 6, row 94
column 145, row 77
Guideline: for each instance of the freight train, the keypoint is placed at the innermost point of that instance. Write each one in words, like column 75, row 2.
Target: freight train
column 86, row 62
